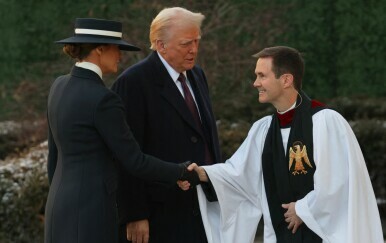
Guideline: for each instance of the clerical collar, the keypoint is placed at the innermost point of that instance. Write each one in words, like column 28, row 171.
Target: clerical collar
column 90, row 66
column 282, row 112
column 286, row 117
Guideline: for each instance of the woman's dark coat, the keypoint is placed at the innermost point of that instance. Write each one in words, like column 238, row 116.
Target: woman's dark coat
column 87, row 129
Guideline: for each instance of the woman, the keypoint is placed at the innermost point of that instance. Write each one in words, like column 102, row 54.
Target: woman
column 87, row 129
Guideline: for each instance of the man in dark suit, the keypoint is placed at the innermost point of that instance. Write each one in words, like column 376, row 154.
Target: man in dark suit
column 169, row 111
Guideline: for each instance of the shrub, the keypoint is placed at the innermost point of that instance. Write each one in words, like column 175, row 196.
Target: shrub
column 18, row 136
column 23, row 190
column 231, row 135
column 371, row 135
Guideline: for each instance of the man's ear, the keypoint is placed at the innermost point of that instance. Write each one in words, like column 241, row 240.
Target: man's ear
column 288, row 79
column 161, row 46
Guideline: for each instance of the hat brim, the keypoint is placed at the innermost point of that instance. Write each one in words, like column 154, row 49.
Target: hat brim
column 123, row 45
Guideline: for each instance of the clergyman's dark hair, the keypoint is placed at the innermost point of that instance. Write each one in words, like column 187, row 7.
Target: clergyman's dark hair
column 285, row 60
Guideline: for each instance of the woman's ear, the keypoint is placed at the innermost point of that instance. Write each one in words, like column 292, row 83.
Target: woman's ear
column 99, row 50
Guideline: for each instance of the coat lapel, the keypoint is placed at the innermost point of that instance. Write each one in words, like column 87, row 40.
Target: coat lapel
column 201, row 101
column 170, row 91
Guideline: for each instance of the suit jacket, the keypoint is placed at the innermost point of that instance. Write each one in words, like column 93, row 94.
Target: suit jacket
column 87, row 128
column 164, row 127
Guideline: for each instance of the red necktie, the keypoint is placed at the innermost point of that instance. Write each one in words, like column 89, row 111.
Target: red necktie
column 193, row 109
column 189, row 100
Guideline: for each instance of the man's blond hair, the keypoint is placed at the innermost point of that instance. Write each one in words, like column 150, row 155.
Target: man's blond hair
column 168, row 17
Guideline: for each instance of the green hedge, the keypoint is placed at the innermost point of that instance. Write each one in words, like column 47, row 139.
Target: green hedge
column 342, row 41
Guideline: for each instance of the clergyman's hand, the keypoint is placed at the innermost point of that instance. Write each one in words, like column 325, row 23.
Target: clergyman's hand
column 200, row 171
column 189, row 174
column 293, row 220
column 185, row 185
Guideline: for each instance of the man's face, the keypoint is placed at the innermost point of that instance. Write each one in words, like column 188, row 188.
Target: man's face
column 270, row 88
column 180, row 50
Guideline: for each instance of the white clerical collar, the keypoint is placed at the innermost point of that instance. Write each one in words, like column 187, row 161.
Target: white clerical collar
column 173, row 73
column 292, row 107
column 90, row 66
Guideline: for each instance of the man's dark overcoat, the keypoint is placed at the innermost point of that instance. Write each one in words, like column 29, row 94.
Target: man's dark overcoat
column 164, row 127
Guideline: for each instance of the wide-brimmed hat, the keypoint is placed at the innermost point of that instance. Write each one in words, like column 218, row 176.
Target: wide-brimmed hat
column 98, row 31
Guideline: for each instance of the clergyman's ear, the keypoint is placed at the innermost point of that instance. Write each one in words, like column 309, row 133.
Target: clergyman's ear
column 288, row 79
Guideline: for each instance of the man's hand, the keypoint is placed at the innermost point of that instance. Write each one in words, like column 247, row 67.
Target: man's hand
column 185, row 184
column 138, row 231
column 200, row 171
column 291, row 217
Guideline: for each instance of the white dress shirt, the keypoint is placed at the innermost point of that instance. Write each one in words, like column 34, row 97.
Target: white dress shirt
column 90, row 66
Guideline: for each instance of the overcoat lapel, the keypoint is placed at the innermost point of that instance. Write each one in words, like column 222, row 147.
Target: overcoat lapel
column 171, row 93
column 202, row 103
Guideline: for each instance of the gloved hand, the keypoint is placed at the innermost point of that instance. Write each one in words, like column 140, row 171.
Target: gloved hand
column 190, row 176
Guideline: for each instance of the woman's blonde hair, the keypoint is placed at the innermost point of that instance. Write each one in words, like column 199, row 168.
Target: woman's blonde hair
column 168, row 17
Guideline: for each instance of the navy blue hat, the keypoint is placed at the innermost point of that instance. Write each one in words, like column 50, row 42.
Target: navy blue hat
column 98, row 31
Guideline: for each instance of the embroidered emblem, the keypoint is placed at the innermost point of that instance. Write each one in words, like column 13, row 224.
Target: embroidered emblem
column 298, row 152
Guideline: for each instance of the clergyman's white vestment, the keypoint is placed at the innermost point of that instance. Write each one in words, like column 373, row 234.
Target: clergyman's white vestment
column 341, row 209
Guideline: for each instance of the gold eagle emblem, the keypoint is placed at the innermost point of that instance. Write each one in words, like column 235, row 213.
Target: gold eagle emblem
column 298, row 153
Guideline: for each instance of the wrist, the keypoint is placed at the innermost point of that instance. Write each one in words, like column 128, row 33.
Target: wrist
column 202, row 174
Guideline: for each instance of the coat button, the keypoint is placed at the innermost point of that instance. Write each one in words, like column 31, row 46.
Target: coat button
column 196, row 212
column 193, row 139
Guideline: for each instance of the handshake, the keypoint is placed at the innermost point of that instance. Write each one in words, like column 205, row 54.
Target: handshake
column 191, row 176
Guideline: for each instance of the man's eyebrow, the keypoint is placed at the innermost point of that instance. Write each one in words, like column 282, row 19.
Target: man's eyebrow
column 187, row 40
